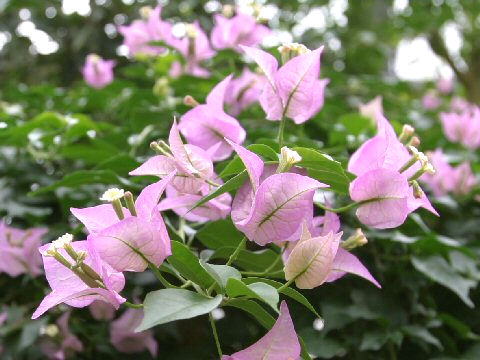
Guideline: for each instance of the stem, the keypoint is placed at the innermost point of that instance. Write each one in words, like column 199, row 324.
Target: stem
column 233, row 257
column 281, row 130
column 215, row 335
column 133, row 306
column 159, row 276
column 286, row 285
column 213, row 183
column 338, row 210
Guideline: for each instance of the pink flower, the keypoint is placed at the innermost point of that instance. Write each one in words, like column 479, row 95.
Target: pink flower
column 271, row 207
column 80, row 286
column 430, row 101
column 140, row 33
column 242, row 29
column 244, row 91
column 181, row 203
column 463, row 127
column 464, row 179
column 280, row 343
column 459, row 105
column 372, row 109
column 124, row 338
column 443, row 181
column 382, row 185
column 195, row 48
column 101, row 310
column 206, row 125
column 445, row 86
column 133, row 242
column 293, row 90
column 192, row 164
column 97, row 72
column 69, row 343
column 318, row 257
column 18, row 250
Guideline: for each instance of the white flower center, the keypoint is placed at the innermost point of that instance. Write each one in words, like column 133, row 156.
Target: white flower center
column 112, row 194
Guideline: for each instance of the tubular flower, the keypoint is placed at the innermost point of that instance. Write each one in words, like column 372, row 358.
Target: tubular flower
column 78, row 276
column 132, row 242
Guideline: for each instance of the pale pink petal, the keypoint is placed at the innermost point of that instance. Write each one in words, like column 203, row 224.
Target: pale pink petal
column 146, row 203
column 97, row 218
column 345, row 262
column 253, row 163
column 217, row 94
column 388, row 191
column 296, row 82
column 310, row 261
column 281, row 204
column 119, row 245
column 280, row 343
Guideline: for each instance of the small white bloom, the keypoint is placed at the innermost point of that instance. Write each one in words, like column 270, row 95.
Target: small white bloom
column 289, row 156
column 112, row 194
column 429, row 168
column 297, row 48
column 191, row 31
column 145, row 12
column 50, row 330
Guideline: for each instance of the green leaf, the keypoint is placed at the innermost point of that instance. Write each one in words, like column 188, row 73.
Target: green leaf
column 459, row 326
column 82, row 177
column 323, row 168
column 221, row 273
column 422, row 333
column 219, row 233
column 232, row 184
column 291, row 293
column 439, row 270
column 254, row 309
column 260, row 291
column 166, row 305
column 188, row 265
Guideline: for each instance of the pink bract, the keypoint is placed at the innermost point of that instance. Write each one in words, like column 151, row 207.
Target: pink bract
column 124, row 338
column 271, row 207
column 18, row 250
column 207, row 124
column 130, row 244
column 68, row 288
column 97, row 72
column 293, row 90
column 241, row 29
column 244, row 91
column 280, row 343
column 69, row 343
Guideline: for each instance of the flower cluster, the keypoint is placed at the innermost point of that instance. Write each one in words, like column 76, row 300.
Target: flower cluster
column 18, row 250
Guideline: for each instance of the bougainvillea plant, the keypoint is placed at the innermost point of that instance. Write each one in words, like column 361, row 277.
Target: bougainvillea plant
column 220, row 218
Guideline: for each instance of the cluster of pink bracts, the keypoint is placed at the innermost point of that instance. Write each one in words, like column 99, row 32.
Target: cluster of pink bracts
column 274, row 205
